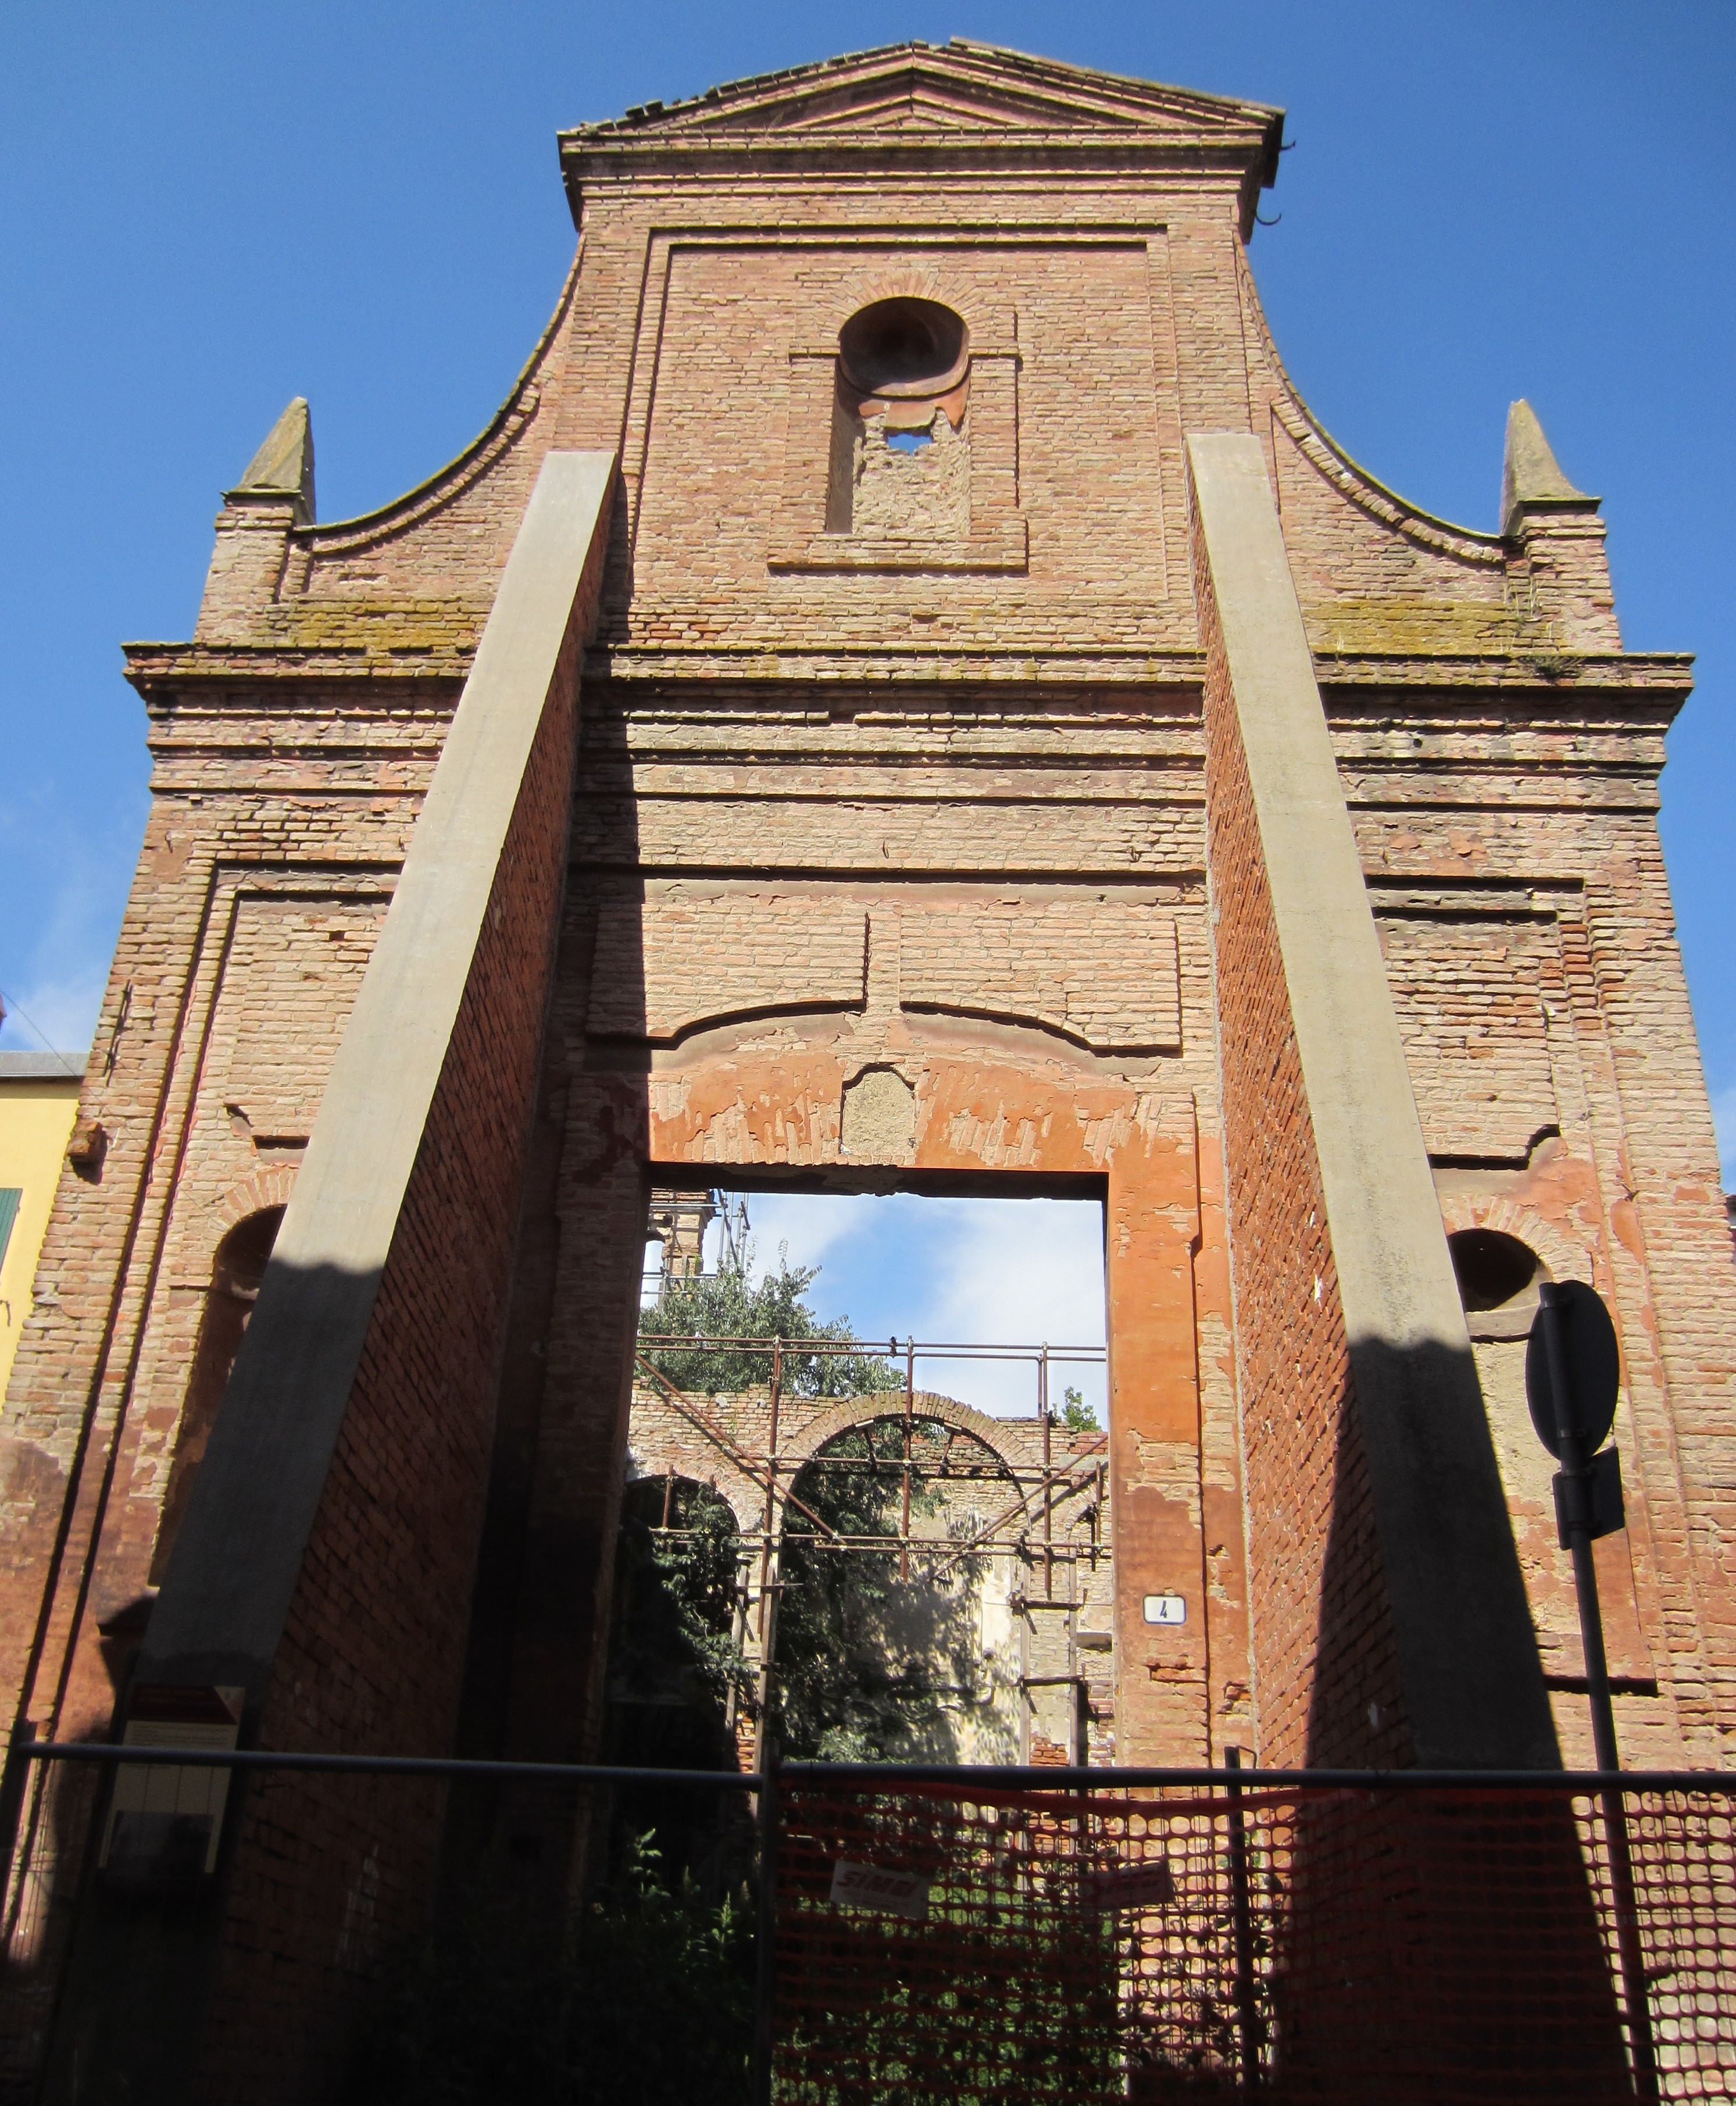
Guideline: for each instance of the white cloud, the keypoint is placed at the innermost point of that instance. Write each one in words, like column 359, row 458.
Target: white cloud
column 1024, row 1269
column 975, row 1271
column 1018, row 1272
column 812, row 1226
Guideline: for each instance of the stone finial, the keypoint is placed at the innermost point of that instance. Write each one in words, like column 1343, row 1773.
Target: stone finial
column 1530, row 472
column 284, row 465
column 271, row 500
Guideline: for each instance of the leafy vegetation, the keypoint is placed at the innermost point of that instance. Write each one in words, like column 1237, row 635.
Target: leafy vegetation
column 872, row 1666
column 649, row 1999
column 990, row 2007
column 677, row 1591
column 1076, row 1415
column 731, row 1305
column 676, row 1671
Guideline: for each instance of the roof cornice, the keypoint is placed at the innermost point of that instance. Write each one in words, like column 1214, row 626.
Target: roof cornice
column 914, row 108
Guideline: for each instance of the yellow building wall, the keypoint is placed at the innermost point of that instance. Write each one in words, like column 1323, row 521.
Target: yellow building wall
column 36, row 1120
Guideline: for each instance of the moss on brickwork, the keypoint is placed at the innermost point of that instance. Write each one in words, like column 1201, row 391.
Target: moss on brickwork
column 1432, row 627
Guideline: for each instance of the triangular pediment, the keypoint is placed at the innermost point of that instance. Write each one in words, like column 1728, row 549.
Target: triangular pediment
column 956, row 89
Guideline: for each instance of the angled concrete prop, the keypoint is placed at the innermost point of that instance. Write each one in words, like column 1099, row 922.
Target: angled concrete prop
column 235, row 1564
column 1473, row 1684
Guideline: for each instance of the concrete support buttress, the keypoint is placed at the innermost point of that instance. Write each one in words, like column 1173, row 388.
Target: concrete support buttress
column 340, row 1500
column 236, row 1559
column 1467, row 1663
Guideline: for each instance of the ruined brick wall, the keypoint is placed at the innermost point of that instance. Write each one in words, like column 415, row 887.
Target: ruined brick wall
column 266, row 866
column 263, row 877
column 1500, row 753
column 962, row 783
column 1013, row 940
column 249, row 923
column 1564, row 1106
column 1057, row 1548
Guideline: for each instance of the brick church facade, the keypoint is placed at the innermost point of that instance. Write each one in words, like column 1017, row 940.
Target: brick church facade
column 904, row 695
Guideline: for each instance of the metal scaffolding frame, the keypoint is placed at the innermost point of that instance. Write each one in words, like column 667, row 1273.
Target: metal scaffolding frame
column 1024, row 1526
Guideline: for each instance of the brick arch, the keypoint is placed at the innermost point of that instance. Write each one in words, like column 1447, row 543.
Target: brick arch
column 268, row 1186
column 745, row 1495
column 745, row 1499
column 908, row 282
column 1566, row 1256
column 856, row 1411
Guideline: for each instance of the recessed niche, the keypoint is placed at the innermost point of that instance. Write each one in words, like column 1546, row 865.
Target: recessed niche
column 900, row 469
column 1492, row 1268
column 901, row 446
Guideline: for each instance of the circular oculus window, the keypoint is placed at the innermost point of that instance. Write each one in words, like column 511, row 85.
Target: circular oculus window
column 904, row 347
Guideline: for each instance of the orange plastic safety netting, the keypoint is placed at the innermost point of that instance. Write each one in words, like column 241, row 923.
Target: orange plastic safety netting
column 990, row 1947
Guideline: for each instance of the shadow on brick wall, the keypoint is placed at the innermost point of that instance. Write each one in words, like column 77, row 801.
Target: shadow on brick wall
column 534, row 1667
column 1434, row 1940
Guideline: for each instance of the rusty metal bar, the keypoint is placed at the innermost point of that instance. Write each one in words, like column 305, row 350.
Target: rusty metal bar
column 766, row 1925
column 771, row 1492
column 721, row 1440
column 1720, row 1784
column 1011, row 1512
column 861, row 1349
column 904, row 1555
column 1048, row 1510
column 1242, row 1918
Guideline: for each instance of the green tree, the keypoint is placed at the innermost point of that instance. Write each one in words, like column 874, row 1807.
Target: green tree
column 730, row 1304
column 870, row 1665
column 675, row 1596
column 649, row 1998
column 1076, row 1415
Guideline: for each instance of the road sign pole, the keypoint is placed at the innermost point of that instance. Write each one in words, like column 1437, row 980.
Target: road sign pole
column 1577, row 1523
column 1575, row 1514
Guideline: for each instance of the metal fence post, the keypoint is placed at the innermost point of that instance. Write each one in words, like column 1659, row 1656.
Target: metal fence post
column 1242, row 1915
column 765, row 1928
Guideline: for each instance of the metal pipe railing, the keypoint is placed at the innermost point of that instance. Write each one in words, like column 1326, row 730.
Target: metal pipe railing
column 988, row 1776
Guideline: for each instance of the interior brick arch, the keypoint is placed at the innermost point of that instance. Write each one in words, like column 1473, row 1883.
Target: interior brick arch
column 889, row 1403
column 1564, row 1254
column 903, row 284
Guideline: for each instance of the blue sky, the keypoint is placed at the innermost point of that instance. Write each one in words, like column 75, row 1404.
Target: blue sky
column 205, row 209
column 1009, row 1272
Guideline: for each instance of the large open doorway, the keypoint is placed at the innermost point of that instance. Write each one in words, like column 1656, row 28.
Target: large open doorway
column 866, row 1499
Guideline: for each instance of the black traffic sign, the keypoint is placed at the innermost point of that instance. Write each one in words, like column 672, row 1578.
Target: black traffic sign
column 1594, row 1368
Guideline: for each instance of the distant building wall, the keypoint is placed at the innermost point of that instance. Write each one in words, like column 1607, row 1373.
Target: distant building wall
column 38, row 1103
column 1046, row 1595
